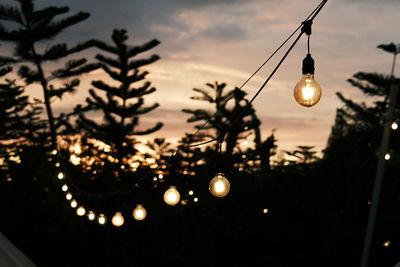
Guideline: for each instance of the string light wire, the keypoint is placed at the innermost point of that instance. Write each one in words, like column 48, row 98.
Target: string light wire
column 305, row 26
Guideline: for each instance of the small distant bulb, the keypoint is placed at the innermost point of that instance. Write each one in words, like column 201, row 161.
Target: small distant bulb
column 54, row 152
column 64, row 188
column 60, row 175
column 101, row 219
column 74, row 204
column 117, row 219
column 196, row 199
column 395, row 125
column 172, row 196
column 160, row 176
column 386, row 244
column 139, row 213
column 91, row 215
column 387, row 156
column 68, row 196
column 191, row 192
column 80, row 211
column 265, row 211
column 219, row 186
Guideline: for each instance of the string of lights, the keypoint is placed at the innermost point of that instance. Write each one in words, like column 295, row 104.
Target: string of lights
column 219, row 186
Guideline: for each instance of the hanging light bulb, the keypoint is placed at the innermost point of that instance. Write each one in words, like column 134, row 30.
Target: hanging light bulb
column 139, row 213
column 64, row 188
column 80, row 211
column 172, row 196
column 101, row 219
column 219, row 186
column 74, row 204
column 68, row 196
column 91, row 215
column 117, row 219
column 395, row 126
column 307, row 91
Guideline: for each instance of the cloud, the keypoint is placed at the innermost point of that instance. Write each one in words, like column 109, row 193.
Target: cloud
column 226, row 32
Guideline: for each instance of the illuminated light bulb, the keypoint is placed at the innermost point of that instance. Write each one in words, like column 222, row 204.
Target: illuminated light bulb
column 54, row 152
column 64, row 188
column 117, row 219
column 265, row 211
column 395, row 126
column 68, row 196
column 191, row 192
column 80, row 211
column 219, row 186
column 74, row 204
column 160, row 176
column 307, row 91
column 196, row 199
column 139, row 213
column 91, row 215
column 386, row 244
column 60, row 175
column 155, row 179
column 172, row 196
column 101, row 219
column 387, row 156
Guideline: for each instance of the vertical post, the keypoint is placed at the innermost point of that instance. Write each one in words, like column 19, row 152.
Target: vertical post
column 394, row 88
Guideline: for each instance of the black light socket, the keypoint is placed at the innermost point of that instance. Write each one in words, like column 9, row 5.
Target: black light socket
column 308, row 65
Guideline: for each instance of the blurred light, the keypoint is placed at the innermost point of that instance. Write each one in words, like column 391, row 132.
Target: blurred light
column 386, row 244
column 387, row 156
column 60, row 175
column 219, row 186
column 57, row 164
column 80, row 211
column 117, row 219
column 160, row 176
column 172, row 196
column 68, row 196
column 139, row 213
column 64, row 188
column 191, row 192
column 91, row 215
column 369, row 202
column 196, row 199
column 74, row 204
column 265, row 211
column 395, row 125
column 101, row 219
column 54, row 152
column 155, row 179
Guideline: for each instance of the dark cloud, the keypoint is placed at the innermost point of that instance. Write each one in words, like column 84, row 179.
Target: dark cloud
column 229, row 31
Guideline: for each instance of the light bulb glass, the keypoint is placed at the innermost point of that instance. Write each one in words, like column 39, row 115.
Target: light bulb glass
column 74, row 204
column 307, row 91
column 91, row 215
column 172, row 196
column 219, row 186
column 139, row 213
column 101, row 219
column 80, row 211
column 117, row 219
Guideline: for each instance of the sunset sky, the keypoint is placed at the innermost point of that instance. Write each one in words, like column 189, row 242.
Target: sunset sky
column 226, row 41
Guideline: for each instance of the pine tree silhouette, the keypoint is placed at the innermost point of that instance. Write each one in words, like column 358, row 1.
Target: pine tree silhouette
column 33, row 27
column 229, row 119
column 124, row 101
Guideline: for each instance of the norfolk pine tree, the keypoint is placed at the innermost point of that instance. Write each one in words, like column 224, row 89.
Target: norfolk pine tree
column 124, row 100
column 34, row 27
